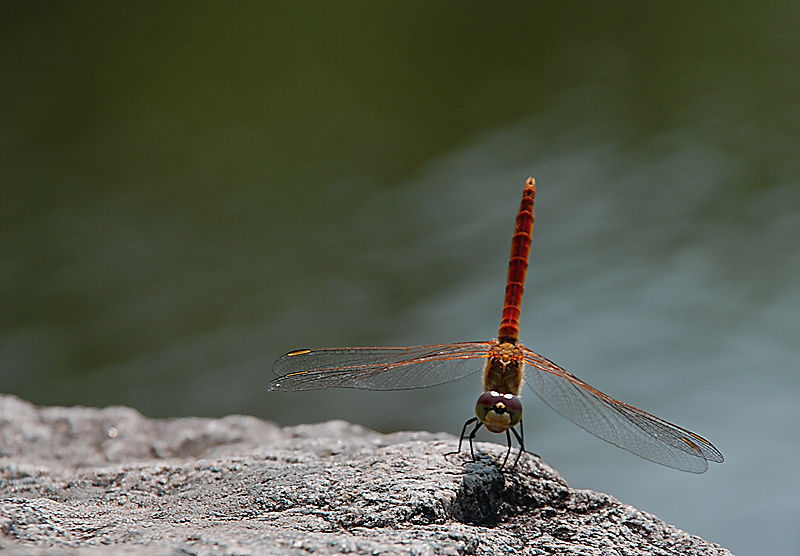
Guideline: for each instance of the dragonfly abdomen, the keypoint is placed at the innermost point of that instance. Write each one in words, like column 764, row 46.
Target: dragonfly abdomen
column 518, row 265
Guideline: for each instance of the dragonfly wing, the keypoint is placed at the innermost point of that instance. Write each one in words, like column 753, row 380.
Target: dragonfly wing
column 402, row 368
column 616, row 422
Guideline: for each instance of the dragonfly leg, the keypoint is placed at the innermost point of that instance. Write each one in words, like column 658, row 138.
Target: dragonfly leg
column 521, row 440
column 508, row 452
column 471, row 436
column 463, row 435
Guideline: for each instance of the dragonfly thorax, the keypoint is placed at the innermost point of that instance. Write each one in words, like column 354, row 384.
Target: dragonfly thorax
column 506, row 352
column 498, row 412
column 504, row 368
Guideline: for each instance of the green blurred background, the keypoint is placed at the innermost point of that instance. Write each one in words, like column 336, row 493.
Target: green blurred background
column 191, row 190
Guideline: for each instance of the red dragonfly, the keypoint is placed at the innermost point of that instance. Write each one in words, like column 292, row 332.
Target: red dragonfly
column 504, row 362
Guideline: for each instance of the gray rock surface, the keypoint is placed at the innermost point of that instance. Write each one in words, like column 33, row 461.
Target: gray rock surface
column 110, row 481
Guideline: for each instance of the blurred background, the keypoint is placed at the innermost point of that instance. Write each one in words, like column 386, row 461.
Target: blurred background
column 190, row 191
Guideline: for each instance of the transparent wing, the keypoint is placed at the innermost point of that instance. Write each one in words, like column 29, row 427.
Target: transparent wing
column 401, row 368
column 616, row 422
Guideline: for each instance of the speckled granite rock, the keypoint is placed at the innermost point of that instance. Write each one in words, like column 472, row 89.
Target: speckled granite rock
column 96, row 482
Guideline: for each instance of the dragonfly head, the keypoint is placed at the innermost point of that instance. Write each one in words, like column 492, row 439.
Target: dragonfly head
column 498, row 412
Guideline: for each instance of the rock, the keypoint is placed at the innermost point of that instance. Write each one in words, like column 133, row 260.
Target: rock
column 95, row 482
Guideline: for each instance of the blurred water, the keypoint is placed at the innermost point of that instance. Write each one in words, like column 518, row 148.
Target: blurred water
column 188, row 196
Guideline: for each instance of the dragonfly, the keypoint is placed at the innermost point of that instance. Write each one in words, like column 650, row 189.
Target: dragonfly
column 505, row 363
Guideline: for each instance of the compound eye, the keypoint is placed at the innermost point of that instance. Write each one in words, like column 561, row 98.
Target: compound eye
column 489, row 399
column 508, row 406
column 513, row 407
column 513, row 404
column 485, row 404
